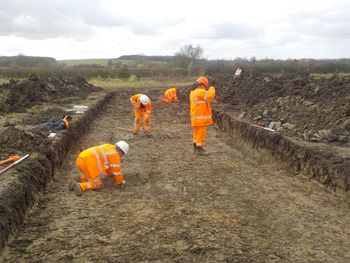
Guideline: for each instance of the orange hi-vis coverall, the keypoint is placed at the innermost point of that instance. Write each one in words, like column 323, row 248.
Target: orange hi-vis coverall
column 141, row 112
column 96, row 163
column 201, row 115
column 170, row 96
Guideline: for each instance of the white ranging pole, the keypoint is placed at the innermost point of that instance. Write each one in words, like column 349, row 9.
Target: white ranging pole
column 13, row 164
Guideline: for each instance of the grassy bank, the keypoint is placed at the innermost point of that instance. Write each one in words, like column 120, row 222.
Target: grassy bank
column 108, row 83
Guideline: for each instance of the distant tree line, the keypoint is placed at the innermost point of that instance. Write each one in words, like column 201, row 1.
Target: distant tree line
column 151, row 58
column 27, row 61
column 188, row 61
column 277, row 66
column 92, row 72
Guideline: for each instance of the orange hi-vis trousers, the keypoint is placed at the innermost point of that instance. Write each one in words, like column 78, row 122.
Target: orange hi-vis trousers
column 87, row 181
column 199, row 135
column 141, row 119
column 166, row 100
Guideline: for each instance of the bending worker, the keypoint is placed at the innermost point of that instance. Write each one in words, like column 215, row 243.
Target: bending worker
column 98, row 162
column 201, row 116
column 170, row 96
column 142, row 112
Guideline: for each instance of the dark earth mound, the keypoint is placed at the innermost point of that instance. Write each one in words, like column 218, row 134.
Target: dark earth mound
column 20, row 142
column 295, row 105
column 18, row 96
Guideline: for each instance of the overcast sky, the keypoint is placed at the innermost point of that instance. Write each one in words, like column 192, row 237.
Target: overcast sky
column 71, row 29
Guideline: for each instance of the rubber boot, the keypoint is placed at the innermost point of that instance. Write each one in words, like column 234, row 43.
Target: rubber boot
column 72, row 183
column 194, row 148
column 77, row 190
column 201, row 151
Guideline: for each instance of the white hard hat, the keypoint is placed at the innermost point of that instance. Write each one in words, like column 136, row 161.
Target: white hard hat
column 144, row 99
column 124, row 146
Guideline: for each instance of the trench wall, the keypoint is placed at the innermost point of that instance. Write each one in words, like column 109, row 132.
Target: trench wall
column 323, row 166
column 38, row 170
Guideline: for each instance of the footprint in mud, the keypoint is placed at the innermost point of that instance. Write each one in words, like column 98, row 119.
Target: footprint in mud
column 138, row 178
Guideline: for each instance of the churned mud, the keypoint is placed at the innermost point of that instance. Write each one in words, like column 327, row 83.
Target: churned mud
column 229, row 206
column 314, row 110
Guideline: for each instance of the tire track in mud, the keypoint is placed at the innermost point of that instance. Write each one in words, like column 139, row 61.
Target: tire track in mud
column 177, row 207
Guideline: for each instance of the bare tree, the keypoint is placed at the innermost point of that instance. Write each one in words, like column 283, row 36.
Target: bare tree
column 188, row 56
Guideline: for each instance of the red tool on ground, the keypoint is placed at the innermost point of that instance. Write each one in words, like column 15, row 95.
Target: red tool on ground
column 10, row 159
column 13, row 164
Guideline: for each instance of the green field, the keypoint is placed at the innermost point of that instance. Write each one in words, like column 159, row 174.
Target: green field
column 75, row 62
column 6, row 80
column 108, row 83
column 104, row 62
column 329, row 75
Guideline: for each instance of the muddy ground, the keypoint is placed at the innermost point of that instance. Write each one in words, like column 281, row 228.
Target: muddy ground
column 301, row 106
column 24, row 105
column 230, row 206
column 18, row 96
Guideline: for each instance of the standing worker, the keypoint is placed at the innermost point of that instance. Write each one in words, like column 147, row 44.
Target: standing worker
column 143, row 106
column 201, row 115
column 170, row 96
column 98, row 162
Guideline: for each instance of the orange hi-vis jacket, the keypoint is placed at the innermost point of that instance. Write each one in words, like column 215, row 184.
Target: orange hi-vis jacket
column 101, row 160
column 200, row 106
column 170, row 95
column 135, row 101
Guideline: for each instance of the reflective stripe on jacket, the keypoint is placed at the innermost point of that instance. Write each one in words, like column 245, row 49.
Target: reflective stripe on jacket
column 102, row 159
column 200, row 106
column 135, row 101
column 170, row 94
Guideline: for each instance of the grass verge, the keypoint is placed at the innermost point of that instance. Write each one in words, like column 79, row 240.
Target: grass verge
column 111, row 84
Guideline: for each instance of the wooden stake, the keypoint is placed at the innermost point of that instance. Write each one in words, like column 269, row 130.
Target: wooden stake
column 123, row 129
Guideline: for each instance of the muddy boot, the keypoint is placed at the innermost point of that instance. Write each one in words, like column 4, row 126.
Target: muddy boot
column 71, row 185
column 148, row 134
column 201, row 151
column 195, row 149
column 77, row 190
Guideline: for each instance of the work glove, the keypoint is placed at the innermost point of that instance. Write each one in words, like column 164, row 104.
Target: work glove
column 122, row 185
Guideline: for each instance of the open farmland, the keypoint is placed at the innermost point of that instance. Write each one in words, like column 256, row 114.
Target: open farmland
column 259, row 196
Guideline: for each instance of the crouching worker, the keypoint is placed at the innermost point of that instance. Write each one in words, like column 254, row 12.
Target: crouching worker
column 98, row 162
column 143, row 107
column 170, row 96
column 57, row 123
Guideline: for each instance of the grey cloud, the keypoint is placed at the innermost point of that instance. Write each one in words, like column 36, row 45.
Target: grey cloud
column 37, row 19
column 53, row 18
column 333, row 23
column 152, row 28
column 229, row 30
column 142, row 29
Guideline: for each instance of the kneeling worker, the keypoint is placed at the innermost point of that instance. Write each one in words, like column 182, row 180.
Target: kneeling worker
column 143, row 107
column 98, row 162
column 170, row 96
